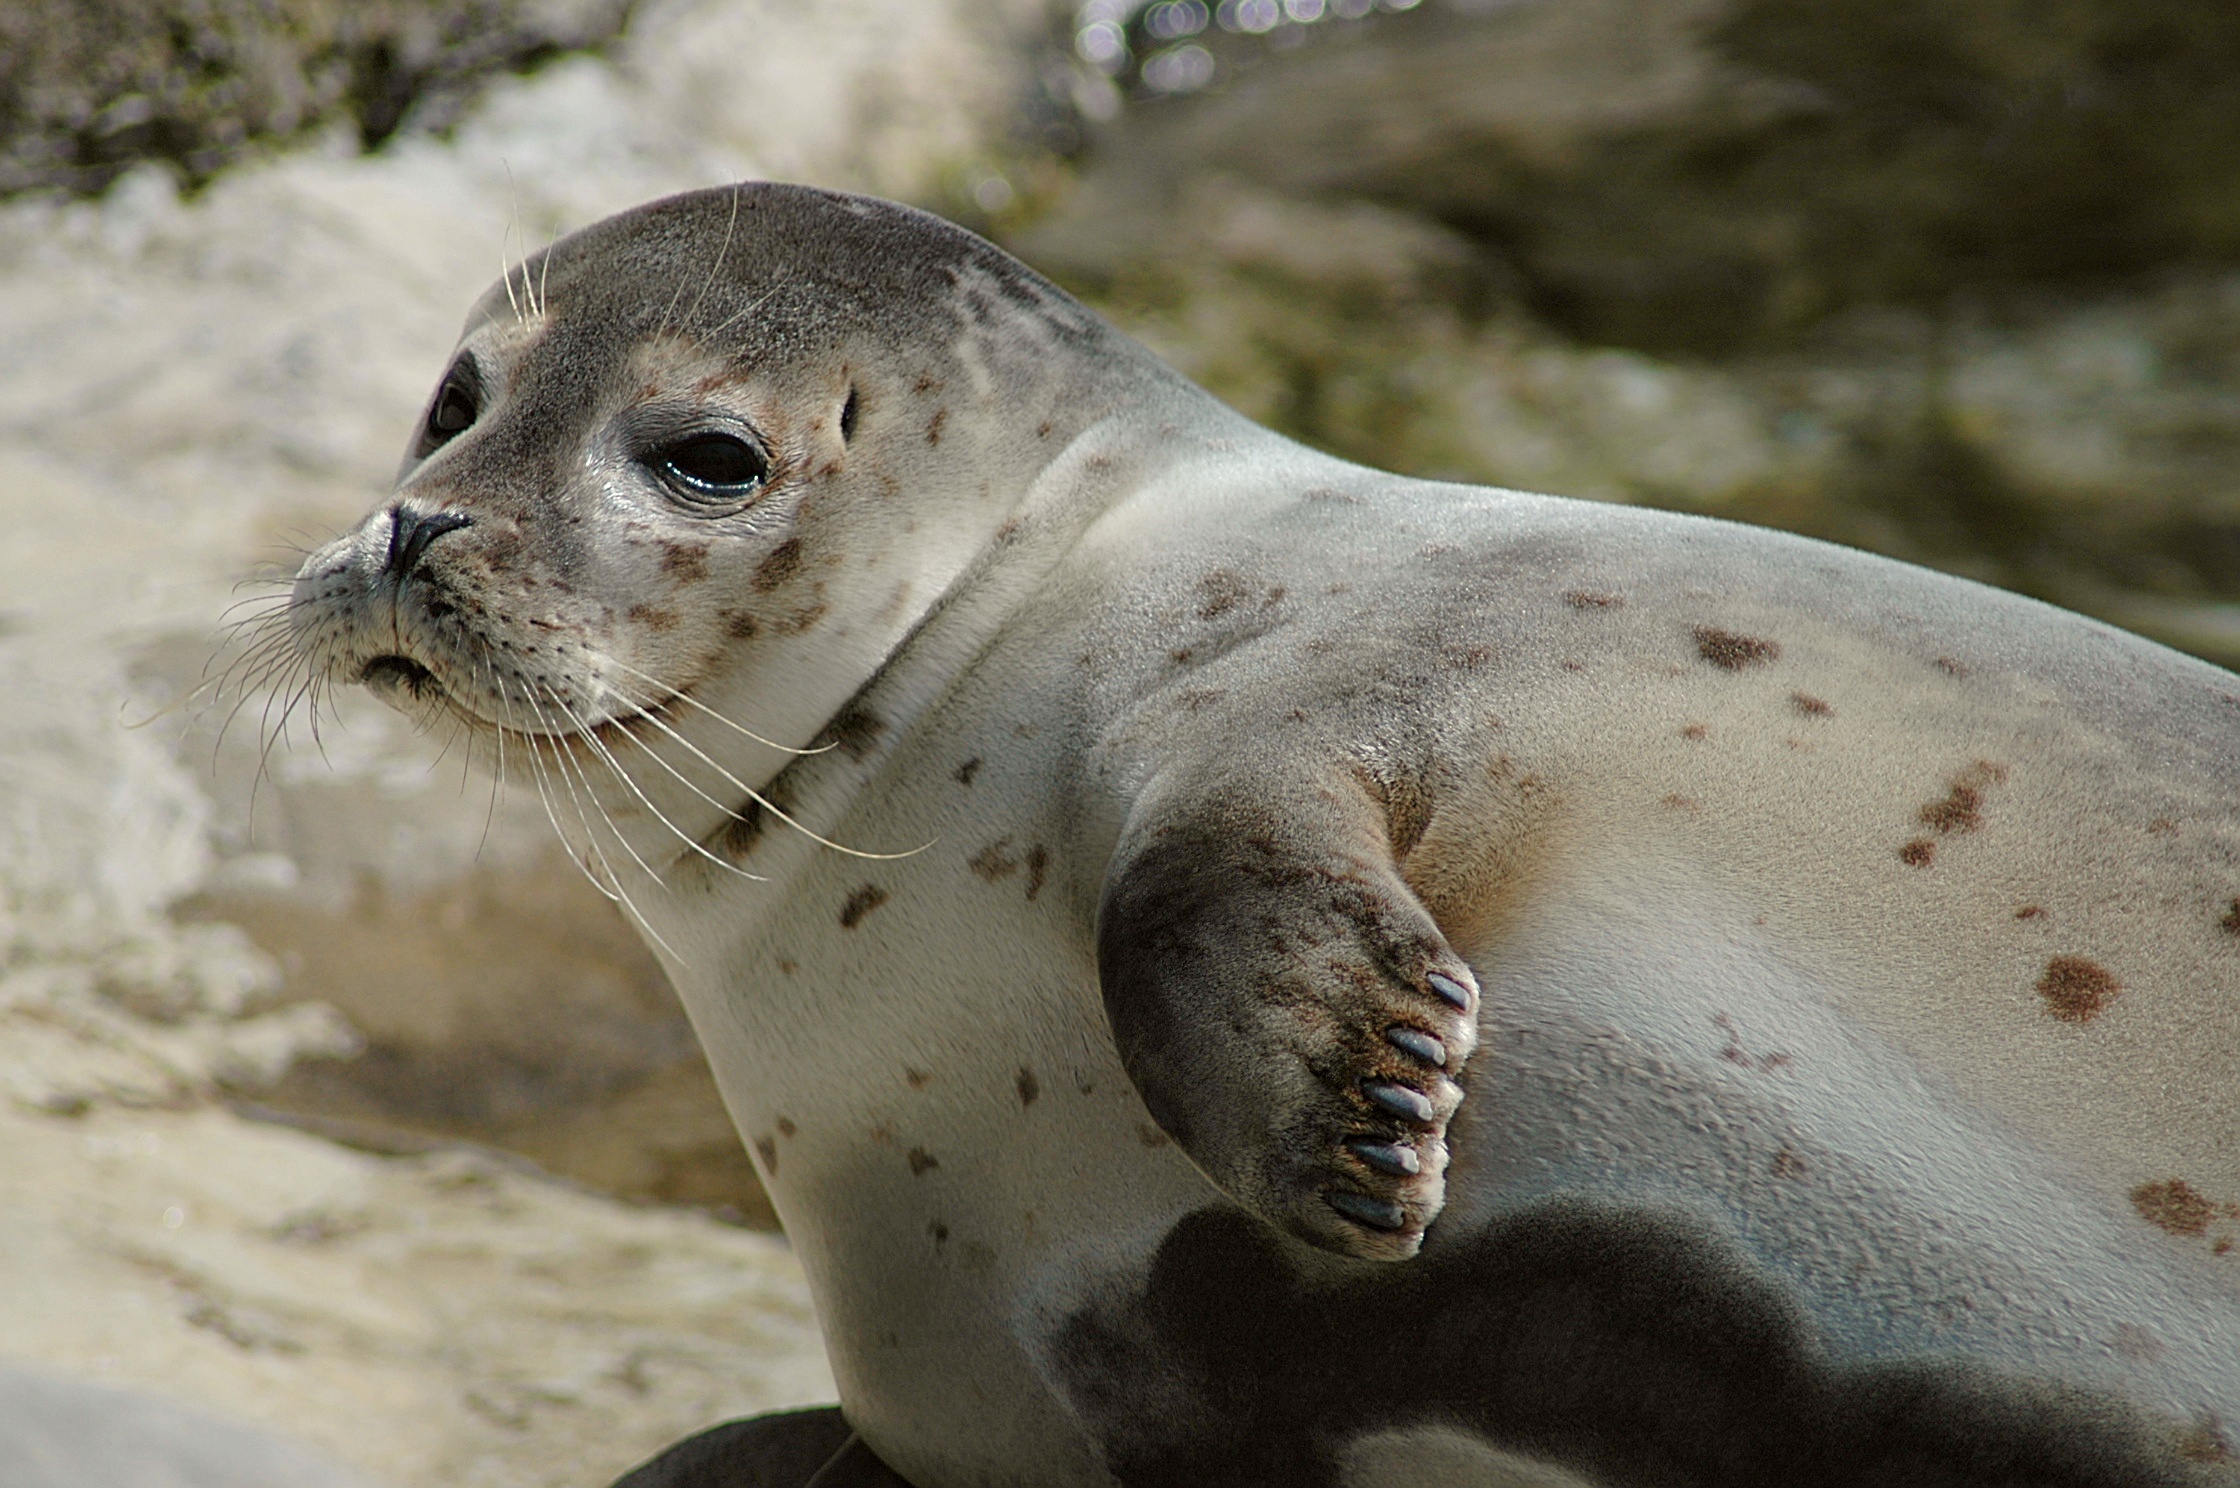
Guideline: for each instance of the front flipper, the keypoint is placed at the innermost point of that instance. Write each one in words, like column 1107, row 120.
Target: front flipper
column 1286, row 1006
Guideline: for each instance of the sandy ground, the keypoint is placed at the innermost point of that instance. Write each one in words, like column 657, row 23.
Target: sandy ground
column 187, row 389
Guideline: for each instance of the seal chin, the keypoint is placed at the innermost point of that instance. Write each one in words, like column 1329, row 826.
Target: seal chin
column 400, row 679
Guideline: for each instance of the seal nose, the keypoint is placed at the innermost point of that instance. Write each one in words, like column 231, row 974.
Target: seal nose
column 410, row 532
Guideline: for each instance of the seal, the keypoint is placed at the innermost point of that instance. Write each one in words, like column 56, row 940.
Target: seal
column 1237, row 967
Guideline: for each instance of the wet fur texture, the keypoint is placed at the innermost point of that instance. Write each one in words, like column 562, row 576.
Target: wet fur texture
column 1360, row 980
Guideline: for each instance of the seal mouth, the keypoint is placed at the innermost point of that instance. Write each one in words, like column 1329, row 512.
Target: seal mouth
column 394, row 673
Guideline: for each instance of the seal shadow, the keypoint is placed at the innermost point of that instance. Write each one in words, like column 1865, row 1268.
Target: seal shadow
column 1629, row 1345
column 789, row 1449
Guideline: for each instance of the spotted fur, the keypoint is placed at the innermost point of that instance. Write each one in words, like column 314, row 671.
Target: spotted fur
column 1359, row 980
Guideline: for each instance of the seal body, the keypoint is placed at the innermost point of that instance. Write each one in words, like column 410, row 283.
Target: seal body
column 1272, row 972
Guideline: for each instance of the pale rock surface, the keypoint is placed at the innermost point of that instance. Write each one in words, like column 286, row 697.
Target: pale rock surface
column 189, row 389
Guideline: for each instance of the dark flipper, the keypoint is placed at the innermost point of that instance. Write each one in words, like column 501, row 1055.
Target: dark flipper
column 1286, row 1006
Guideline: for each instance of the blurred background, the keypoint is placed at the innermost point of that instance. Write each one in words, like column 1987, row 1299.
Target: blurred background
column 332, row 1098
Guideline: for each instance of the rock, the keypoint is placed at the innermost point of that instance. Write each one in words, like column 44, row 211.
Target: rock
column 62, row 1434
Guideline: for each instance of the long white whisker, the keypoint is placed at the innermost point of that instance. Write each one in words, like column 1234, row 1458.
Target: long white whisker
column 498, row 780
column 513, row 227
column 566, row 745
column 565, row 757
column 539, row 777
column 736, row 315
column 690, row 701
column 764, row 801
column 590, row 737
column 721, row 253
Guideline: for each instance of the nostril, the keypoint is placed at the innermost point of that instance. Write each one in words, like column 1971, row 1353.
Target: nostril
column 411, row 531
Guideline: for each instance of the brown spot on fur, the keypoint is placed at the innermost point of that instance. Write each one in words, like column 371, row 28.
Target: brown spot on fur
column 786, row 1128
column 653, row 619
column 1151, row 1136
column 1588, row 599
column 853, row 731
column 1573, row 666
column 1029, row 1088
column 1961, row 810
column 968, row 769
column 1730, row 652
column 789, row 967
column 2173, row 1205
column 743, row 830
column 1919, row 853
column 1042, row 430
column 933, row 428
column 2077, row 989
column 716, row 381
column 994, row 861
column 2207, row 1441
column 781, row 564
column 802, row 619
column 2223, row 1245
column 1038, row 862
column 1791, row 1165
column 1812, row 707
column 2162, row 826
column 768, row 1151
column 1225, row 589
column 916, row 1079
column 2231, row 919
column 920, row 1161
column 1734, row 1053
column 1180, row 656
column 1678, row 802
column 1951, row 668
column 2030, row 912
column 687, row 563
column 1695, row 731
column 740, row 625
column 861, row 903
column 939, row 1232
column 924, row 384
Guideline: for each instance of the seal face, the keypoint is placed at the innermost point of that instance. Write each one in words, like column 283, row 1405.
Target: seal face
column 1236, row 967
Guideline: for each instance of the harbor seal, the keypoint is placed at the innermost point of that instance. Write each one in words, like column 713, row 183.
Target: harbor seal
column 1237, row 967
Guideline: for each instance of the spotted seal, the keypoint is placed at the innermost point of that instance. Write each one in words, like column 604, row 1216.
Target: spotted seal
column 1237, row 967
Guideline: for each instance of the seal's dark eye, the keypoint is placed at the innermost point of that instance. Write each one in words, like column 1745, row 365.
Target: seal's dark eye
column 717, row 467
column 454, row 411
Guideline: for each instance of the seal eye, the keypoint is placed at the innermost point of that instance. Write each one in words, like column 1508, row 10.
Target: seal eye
column 711, row 467
column 453, row 412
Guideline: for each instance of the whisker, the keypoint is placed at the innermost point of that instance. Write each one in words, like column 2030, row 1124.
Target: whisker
column 544, row 272
column 760, row 300
column 764, row 801
column 690, row 701
column 540, row 777
column 621, row 895
column 567, row 747
column 513, row 224
column 721, row 252
column 498, row 780
column 591, row 737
